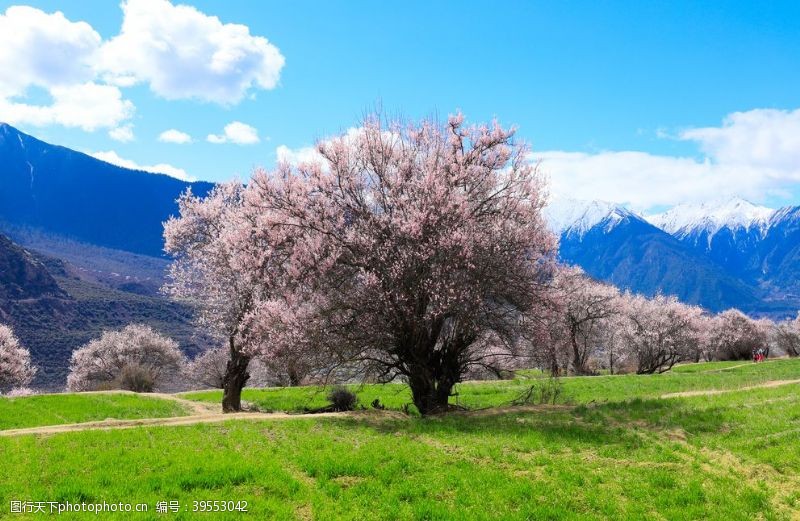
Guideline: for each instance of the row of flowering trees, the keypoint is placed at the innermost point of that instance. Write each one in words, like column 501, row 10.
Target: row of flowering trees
column 415, row 251
column 600, row 327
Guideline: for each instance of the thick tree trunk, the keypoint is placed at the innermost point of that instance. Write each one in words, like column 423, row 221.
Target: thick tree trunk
column 430, row 395
column 432, row 383
column 235, row 378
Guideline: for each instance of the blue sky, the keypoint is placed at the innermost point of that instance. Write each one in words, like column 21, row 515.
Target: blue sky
column 634, row 102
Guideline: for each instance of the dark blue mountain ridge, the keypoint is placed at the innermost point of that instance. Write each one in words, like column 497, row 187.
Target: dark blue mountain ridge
column 69, row 193
column 629, row 252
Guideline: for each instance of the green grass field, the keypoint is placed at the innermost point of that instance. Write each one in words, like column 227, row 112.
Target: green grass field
column 619, row 452
column 56, row 409
column 573, row 390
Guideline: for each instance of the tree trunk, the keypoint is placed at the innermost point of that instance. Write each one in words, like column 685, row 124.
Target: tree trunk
column 235, row 378
column 294, row 376
column 432, row 383
column 430, row 395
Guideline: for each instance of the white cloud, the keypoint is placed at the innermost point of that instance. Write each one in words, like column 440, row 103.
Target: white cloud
column 88, row 106
column 50, row 52
column 297, row 155
column 183, row 53
column 176, row 49
column 754, row 154
column 161, row 168
column 175, row 136
column 236, row 132
column 123, row 134
column 763, row 137
column 45, row 50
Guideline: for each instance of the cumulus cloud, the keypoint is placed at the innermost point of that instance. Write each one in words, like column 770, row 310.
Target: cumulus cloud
column 175, row 136
column 50, row 52
column 88, row 106
column 754, row 154
column 763, row 137
column 123, row 134
column 180, row 52
column 183, row 53
column 45, row 50
column 236, row 132
column 161, row 168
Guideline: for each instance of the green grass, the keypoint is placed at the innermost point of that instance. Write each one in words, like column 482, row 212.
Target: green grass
column 723, row 457
column 619, row 452
column 56, row 409
column 574, row 390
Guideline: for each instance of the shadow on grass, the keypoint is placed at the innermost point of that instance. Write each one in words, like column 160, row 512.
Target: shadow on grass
column 611, row 423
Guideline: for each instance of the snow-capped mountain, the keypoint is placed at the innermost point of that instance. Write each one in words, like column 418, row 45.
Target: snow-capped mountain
column 707, row 219
column 728, row 253
column 575, row 217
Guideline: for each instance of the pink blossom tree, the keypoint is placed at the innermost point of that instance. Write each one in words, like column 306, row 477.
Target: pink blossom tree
column 786, row 336
column 590, row 305
column 734, row 336
column 418, row 247
column 229, row 262
column 207, row 369
column 16, row 369
column 136, row 358
column 208, row 272
column 659, row 331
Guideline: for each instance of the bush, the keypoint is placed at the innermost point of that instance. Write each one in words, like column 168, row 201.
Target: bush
column 137, row 378
column 136, row 358
column 342, row 399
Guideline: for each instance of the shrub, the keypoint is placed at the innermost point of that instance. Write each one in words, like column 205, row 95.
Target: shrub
column 546, row 391
column 137, row 358
column 137, row 378
column 20, row 391
column 342, row 399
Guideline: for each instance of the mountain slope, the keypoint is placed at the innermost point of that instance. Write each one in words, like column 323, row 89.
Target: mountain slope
column 55, row 307
column 631, row 253
column 72, row 194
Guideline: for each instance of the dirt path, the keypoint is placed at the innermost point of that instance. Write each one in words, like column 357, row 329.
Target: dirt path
column 207, row 417
column 710, row 392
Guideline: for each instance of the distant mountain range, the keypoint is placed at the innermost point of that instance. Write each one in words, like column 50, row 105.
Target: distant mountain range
column 728, row 253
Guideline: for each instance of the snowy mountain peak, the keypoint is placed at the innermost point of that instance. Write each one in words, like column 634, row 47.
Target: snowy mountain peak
column 576, row 216
column 734, row 213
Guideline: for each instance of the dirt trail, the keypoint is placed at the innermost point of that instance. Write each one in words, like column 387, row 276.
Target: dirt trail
column 199, row 412
column 710, row 392
column 207, row 417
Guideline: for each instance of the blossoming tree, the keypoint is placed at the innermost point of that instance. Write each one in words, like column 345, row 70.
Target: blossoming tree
column 136, row 358
column 420, row 247
column 15, row 362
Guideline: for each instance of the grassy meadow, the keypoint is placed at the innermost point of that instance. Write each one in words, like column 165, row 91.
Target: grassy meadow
column 610, row 448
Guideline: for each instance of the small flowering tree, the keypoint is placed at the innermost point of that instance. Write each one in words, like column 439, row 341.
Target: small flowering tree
column 734, row 336
column 207, row 369
column 590, row 306
column 136, row 358
column 15, row 362
column 786, row 336
column 659, row 331
column 229, row 263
